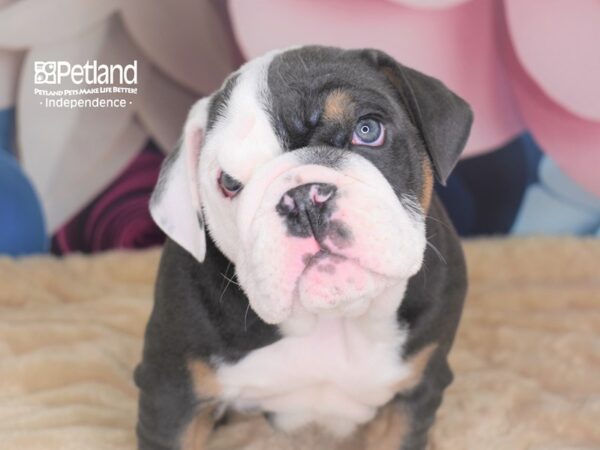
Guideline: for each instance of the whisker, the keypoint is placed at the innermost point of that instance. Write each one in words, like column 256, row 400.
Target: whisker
column 224, row 275
column 413, row 206
column 246, row 317
column 438, row 221
column 437, row 252
column 229, row 281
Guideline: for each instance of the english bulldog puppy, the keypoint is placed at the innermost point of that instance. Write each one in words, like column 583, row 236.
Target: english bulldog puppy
column 310, row 271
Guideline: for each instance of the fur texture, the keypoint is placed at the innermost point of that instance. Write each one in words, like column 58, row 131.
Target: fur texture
column 525, row 358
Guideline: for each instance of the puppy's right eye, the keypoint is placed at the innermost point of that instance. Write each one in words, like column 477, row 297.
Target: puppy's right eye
column 229, row 186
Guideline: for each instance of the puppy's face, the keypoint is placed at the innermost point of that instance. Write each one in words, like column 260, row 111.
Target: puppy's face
column 313, row 169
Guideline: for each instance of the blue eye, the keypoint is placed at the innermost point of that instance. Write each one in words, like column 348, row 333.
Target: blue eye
column 368, row 132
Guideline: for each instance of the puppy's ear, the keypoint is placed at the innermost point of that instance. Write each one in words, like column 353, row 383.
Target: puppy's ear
column 443, row 118
column 175, row 204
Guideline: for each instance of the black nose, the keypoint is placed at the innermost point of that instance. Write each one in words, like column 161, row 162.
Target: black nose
column 306, row 209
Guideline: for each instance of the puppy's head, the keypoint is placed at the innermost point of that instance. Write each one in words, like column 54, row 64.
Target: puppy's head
column 312, row 169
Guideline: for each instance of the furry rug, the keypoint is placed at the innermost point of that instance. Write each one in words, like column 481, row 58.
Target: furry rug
column 527, row 357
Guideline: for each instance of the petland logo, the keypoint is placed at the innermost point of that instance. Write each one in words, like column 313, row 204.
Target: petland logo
column 61, row 84
column 90, row 73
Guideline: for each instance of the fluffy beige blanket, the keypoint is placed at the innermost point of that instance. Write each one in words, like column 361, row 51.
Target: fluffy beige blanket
column 527, row 357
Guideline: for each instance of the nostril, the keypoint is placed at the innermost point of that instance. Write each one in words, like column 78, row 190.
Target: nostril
column 306, row 209
column 306, row 200
column 286, row 205
column 321, row 193
column 288, row 202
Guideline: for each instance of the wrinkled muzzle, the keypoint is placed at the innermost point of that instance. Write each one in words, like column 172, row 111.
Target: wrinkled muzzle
column 323, row 239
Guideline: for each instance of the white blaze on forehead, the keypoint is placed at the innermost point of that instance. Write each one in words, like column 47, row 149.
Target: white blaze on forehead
column 241, row 141
column 244, row 138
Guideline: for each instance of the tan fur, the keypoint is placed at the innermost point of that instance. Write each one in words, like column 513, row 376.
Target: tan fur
column 427, row 185
column 206, row 384
column 198, row 430
column 418, row 363
column 207, row 388
column 338, row 106
column 388, row 430
column 525, row 359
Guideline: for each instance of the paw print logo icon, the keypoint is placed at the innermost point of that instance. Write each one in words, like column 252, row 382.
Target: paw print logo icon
column 45, row 72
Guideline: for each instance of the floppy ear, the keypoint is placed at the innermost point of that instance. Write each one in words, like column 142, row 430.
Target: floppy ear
column 443, row 118
column 175, row 204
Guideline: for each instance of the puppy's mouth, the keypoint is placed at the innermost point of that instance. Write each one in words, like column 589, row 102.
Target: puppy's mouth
column 334, row 284
column 322, row 256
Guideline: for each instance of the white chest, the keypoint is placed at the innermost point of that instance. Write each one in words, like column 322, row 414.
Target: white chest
column 337, row 375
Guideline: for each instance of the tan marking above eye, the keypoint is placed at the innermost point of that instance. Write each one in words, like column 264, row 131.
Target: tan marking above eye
column 338, row 107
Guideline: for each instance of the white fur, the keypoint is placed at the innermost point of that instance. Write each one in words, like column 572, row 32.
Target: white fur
column 336, row 375
column 241, row 142
column 175, row 205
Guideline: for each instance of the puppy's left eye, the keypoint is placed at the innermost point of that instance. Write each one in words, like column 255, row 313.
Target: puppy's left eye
column 229, row 185
column 369, row 132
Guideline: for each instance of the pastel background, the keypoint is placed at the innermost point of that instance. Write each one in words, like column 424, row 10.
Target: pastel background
column 80, row 180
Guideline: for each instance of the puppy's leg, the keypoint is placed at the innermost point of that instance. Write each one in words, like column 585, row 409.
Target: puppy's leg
column 422, row 403
column 175, row 410
column 403, row 423
column 389, row 429
column 198, row 429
